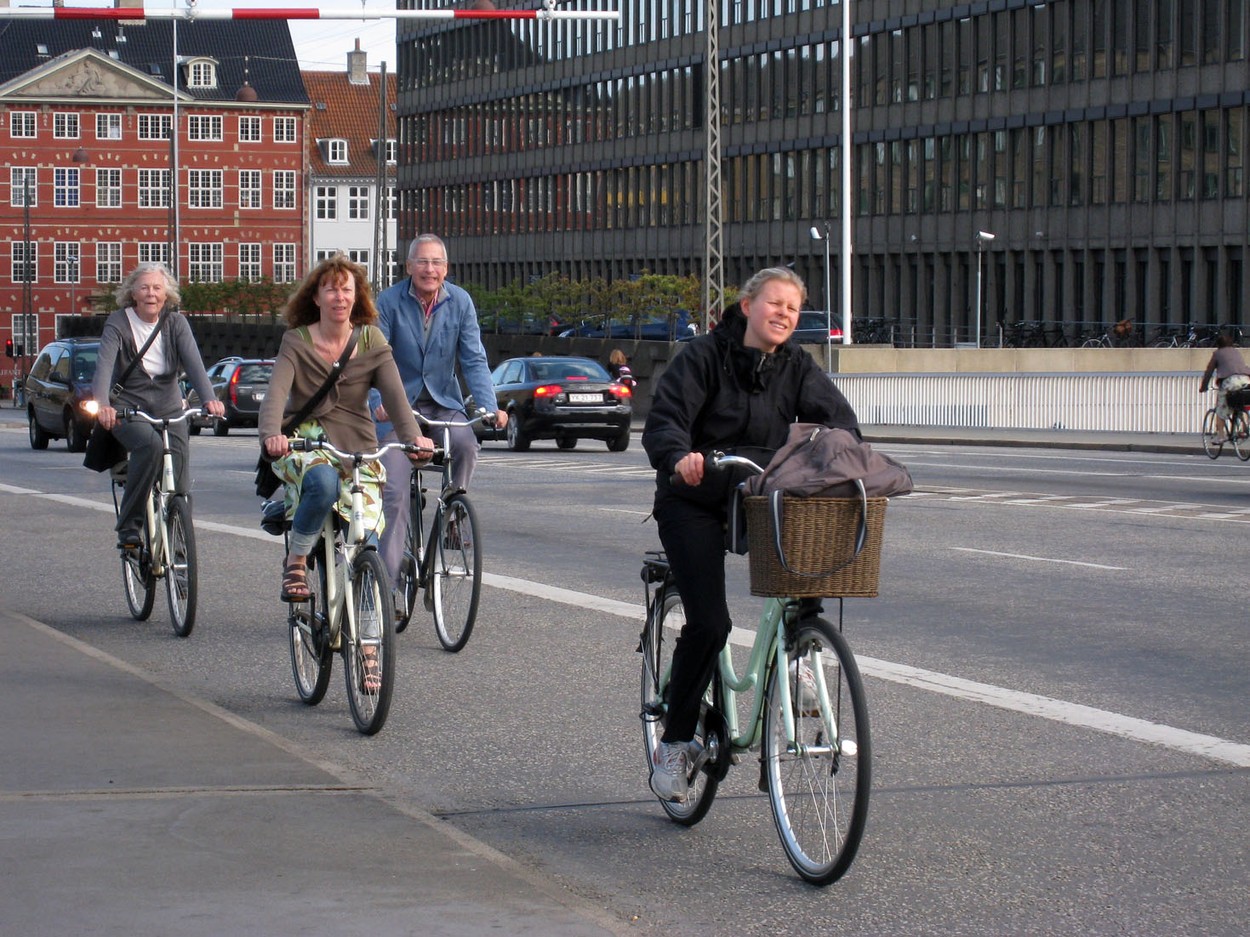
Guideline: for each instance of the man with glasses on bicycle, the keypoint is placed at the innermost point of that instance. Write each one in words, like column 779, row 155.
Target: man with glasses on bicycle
column 432, row 327
column 736, row 389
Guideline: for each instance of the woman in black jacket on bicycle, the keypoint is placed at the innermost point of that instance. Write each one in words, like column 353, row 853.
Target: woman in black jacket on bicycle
column 736, row 389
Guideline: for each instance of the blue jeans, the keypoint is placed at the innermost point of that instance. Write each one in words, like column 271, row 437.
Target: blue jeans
column 317, row 496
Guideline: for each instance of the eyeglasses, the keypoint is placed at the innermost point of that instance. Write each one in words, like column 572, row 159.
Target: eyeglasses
column 429, row 262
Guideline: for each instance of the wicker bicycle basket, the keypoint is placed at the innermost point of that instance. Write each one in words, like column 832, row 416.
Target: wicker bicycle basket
column 818, row 538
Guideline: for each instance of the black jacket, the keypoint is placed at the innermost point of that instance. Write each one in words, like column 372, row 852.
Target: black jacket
column 719, row 394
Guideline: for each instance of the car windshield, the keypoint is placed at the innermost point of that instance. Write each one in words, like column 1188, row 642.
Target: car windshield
column 569, row 370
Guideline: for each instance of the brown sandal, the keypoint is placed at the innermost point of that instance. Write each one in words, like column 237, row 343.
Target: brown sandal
column 295, row 583
column 370, row 672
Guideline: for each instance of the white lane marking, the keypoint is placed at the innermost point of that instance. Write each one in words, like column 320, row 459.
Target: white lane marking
column 1039, row 559
column 1100, row 720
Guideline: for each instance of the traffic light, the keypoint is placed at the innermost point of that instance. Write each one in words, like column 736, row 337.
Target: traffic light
column 8, row 348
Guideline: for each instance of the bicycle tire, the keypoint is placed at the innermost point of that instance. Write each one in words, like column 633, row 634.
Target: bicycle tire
column 181, row 571
column 1212, row 445
column 456, row 577
column 408, row 583
column 1238, row 430
column 819, row 792
column 658, row 639
column 138, row 583
column 308, row 627
column 372, row 614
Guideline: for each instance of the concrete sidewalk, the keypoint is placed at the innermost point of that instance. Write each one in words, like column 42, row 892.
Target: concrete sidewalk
column 127, row 808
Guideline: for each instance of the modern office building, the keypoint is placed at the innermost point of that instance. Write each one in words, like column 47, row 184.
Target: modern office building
column 1101, row 142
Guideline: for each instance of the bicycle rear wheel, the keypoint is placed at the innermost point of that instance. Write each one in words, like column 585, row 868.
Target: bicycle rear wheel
column 1238, row 429
column 181, row 575
column 308, row 625
column 138, row 583
column 456, row 576
column 1212, row 444
column 408, row 583
column 818, row 788
column 659, row 636
column 371, row 635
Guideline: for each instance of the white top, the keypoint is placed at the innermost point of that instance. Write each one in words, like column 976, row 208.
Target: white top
column 154, row 358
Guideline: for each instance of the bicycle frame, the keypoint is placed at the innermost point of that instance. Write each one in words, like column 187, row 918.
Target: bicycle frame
column 443, row 465
column 156, row 506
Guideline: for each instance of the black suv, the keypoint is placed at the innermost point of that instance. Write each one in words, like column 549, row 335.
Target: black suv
column 58, row 386
column 239, row 383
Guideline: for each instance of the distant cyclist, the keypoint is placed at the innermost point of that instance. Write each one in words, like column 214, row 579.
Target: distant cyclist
column 1230, row 372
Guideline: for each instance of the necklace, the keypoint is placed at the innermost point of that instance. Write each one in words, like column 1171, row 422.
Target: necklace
column 330, row 347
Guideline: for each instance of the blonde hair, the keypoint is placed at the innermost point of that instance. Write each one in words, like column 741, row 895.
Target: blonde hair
column 754, row 286
column 617, row 357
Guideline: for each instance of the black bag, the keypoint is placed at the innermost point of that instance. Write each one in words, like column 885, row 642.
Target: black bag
column 266, row 481
column 103, row 450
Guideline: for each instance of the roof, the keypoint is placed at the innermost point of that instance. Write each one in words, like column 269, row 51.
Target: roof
column 271, row 67
column 345, row 111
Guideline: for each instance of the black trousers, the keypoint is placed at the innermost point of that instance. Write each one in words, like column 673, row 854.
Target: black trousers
column 143, row 442
column 693, row 536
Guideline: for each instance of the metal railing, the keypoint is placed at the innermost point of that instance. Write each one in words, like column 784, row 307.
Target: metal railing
column 1166, row 402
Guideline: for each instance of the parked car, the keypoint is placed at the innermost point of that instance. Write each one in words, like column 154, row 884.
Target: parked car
column 58, row 386
column 560, row 397
column 240, row 384
column 650, row 328
column 815, row 328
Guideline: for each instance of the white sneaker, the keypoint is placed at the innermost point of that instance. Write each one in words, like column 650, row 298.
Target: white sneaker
column 808, row 702
column 668, row 772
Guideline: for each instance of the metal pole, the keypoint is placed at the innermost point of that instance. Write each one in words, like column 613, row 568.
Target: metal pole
column 845, row 247
column 828, row 308
column 980, row 254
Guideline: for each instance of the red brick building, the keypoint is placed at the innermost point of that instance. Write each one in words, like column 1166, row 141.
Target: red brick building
column 93, row 183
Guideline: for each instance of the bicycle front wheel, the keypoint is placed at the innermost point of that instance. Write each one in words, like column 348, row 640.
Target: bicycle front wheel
column 1212, row 443
column 138, row 583
column 308, row 624
column 818, row 787
column 1238, row 429
column 659, row 636
column 181, row 574
column 409, row 585
column 369, row 644
column 456, row 576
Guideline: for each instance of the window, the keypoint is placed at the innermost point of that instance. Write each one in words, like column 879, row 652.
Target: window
column 249, row 188
column 204, row 263
column 284, row 263
column 202, row 75
column 249, row 129
column 327, row 202
column 108, row 262
column 153, row 188
column 20, row 271
column 65, row 262
column 284, row 188
column 65, row 188
column 22, row 124
column 284, row 130
column 249, row 262
column 391, row 150
column 336, row 151
column 204, row 188
column 358, row 202
column 204, row 127
column 23, row 182
column 154, row 126
column 108, row 126
column 154, row 253
column 360, row 256
column 108, row 188
column 65, row 126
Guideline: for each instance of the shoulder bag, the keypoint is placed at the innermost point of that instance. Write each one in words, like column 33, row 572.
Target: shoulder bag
column 103, row 448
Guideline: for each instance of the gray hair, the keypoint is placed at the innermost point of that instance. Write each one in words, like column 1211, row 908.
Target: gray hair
column 426, row 239
column 123, row 296
column 754, row 286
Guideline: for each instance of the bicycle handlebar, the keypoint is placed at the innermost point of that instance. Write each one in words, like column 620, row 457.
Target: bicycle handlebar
column 299, row 444
column 134, row 413
column 483, row 416
column 717, row 461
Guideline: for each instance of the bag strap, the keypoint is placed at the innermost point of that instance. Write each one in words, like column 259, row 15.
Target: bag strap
column 861, row 535
column 336, row 369
column 118, row 387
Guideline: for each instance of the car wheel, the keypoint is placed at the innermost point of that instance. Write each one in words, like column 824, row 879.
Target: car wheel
column 38, row 438
column 620, row 442
column 517, row 440
column 221, row 427
column 566, row 442
column 75, row 436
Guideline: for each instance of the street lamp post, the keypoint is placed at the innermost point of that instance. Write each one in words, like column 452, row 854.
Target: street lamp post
column 818, row 235
column 982, row 238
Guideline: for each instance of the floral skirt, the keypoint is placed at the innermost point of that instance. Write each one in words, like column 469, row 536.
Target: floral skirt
column 292, row 466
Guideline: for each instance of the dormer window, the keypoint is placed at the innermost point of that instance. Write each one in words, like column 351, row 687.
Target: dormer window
column 391, row 148
column 201, row 73
column 336, row 151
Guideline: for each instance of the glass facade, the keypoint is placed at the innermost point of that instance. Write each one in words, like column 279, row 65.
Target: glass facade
column 1101, row 142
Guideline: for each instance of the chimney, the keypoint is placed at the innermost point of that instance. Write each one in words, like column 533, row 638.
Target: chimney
column 357, row 66
column 130, row 5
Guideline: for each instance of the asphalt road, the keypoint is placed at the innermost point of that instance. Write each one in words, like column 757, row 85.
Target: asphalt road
column 1056, row 674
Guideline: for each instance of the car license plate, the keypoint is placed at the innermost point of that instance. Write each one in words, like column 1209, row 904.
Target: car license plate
column 260, row 396
column 585, row 398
